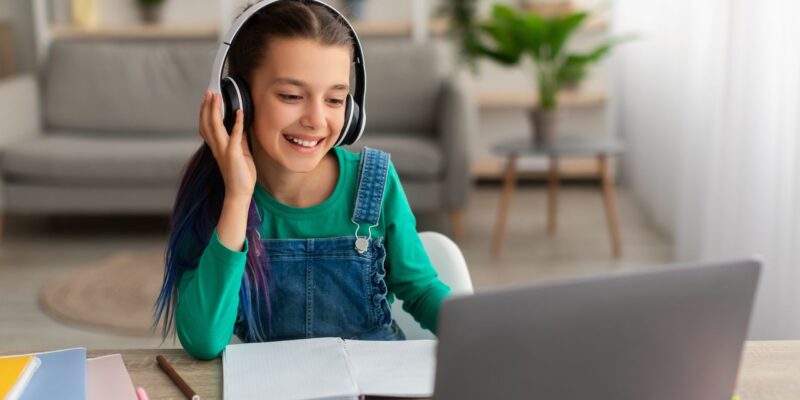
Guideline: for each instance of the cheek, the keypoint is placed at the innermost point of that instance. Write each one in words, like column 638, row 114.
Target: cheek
column 273, row 116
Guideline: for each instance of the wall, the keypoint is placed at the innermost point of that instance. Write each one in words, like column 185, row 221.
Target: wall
column 496, row 125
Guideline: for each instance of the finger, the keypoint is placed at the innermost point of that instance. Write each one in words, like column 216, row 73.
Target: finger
column 237, row 123
column 238, row 135
column 205, row 121
column 220, row 133
column 202, row 117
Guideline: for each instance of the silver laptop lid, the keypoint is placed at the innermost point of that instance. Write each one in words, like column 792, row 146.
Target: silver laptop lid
column 671, row 332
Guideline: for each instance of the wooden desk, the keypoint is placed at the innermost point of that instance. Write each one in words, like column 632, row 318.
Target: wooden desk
column 769, row 371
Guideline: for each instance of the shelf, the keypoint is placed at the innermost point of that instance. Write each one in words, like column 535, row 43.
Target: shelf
column 437, row 27
column 137, row 32
column 382, row 28
column 594, row 23
column 209, row 31
column 526, row 99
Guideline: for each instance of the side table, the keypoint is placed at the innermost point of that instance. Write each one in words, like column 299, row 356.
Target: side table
column 564, row 147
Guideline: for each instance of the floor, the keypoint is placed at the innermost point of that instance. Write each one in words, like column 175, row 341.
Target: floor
column 37, row 250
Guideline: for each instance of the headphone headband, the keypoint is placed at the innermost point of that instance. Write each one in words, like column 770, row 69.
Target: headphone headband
column 214, row 84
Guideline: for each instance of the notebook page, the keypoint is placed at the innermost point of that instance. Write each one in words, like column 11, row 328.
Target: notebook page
column 404, row 368
column 288, row 370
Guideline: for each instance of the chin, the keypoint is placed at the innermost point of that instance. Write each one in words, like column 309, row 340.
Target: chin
column 301, row 165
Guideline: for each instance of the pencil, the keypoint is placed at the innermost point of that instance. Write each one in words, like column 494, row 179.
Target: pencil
column 167, row 368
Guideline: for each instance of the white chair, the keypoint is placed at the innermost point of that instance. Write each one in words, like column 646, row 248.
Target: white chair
column 446, row 257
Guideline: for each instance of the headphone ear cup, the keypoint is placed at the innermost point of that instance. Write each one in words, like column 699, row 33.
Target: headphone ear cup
column 351, row 129
column 348, row 121
column 247, row 106
column 235, row 95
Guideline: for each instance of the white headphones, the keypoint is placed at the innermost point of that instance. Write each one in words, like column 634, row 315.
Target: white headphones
column 235, row 93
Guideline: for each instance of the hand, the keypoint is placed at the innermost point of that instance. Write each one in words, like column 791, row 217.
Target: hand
column 231, row 152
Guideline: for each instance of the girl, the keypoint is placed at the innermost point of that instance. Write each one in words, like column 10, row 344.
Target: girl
column 263, row 234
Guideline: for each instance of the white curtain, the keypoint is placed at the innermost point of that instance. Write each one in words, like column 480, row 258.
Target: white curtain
column 708, row 99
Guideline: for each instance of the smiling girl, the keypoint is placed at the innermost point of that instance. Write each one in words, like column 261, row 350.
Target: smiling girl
column 276, row 232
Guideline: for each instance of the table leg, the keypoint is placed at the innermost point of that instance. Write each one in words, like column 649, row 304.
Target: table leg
column 610, row 199
column 505, row 202
column 552, row 196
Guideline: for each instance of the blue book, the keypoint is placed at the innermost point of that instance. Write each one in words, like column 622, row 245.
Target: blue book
column 62, row 376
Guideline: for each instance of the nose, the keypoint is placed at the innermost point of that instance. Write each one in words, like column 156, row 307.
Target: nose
column 314, row 116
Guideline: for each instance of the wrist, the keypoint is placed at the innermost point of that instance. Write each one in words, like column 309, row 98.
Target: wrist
column 238, row 198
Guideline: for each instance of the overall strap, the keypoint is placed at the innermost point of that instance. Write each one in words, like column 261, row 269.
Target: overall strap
column 372, row 172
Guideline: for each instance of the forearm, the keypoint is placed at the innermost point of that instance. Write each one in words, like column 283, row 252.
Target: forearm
column 208, row 300
column 232, row 225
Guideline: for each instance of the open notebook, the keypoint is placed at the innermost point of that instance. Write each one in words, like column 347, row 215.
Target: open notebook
column 329, row 368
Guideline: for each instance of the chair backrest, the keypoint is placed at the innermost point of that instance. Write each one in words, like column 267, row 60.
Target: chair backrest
column 446, row 257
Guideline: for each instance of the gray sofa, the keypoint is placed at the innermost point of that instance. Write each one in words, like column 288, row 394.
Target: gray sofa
column 108, row 125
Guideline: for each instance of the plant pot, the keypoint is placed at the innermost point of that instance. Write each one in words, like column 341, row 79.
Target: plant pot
column 151, row 14
column 572, row 86
column 545, row 125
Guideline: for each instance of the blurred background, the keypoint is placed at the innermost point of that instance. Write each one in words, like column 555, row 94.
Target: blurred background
column 549, row 139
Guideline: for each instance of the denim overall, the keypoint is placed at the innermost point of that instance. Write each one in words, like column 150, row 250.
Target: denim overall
column 334, row 286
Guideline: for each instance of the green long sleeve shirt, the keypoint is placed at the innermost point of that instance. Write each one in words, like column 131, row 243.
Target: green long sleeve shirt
column 208, row 297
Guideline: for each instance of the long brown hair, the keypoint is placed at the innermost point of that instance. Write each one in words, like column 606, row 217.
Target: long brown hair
column 201, row 193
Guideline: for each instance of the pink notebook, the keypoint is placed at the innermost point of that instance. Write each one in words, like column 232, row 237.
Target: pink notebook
column 107, row 378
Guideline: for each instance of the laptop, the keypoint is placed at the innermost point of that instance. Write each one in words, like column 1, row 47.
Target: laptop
column 660, row 333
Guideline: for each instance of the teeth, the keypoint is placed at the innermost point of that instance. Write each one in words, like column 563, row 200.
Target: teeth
column 303, row 143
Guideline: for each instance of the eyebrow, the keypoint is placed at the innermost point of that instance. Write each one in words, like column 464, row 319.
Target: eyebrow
column 303, row 84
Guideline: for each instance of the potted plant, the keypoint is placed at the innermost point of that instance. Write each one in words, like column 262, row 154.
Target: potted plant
column 510, row 34
column 150, row 11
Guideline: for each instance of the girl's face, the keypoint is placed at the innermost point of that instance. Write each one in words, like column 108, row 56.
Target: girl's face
column 299, row 94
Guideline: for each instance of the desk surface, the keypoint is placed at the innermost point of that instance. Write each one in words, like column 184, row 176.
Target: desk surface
column 769, row 371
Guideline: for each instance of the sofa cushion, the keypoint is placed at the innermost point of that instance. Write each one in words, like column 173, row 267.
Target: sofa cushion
column 79, row 160
column 414, row 157
column 122, row 86
column 404, row 85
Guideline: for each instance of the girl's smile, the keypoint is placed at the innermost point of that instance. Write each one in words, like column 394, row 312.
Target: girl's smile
column 304, row 144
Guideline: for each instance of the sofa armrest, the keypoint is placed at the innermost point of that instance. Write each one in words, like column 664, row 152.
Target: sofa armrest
column 19, row 108
column 458, row 125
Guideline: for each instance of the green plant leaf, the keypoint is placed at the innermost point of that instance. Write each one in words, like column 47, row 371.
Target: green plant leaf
column 532, row 33
column 574, row 66
column 501, row 29
column 561, row 28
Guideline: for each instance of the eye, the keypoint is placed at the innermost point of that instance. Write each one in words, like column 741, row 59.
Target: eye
column 289, row 97
column 337, row 101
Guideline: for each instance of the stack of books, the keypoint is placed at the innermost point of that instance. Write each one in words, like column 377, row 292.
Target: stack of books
column 64, row 374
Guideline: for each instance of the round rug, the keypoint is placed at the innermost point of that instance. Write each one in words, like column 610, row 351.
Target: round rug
column 115, row 293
